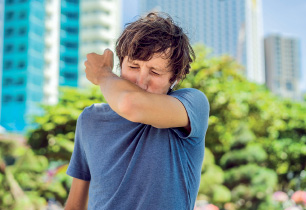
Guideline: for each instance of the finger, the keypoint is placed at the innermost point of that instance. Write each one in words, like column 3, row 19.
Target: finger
column 89, row 55
column 108, row 51
column 86, row 63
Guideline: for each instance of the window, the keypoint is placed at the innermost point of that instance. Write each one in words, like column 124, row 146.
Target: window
column 8, row 48
column 73, row 1
column 21, row 64
column 70, row 75
column 22, row 31
column 72, row 30
column 9, row 32
column 7, row 98
column 8, row 64
column 19, row 81
column 289, row 86
column 9, row 15
column 22, row 15
column 20, row 98
column 71, row 45
column 9, row 1
column 72, row 15
column 70, row 60
column 22, row 48
column 7, row 82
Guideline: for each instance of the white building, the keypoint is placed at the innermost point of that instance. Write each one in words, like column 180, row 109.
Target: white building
column 51, row 55
column 231, row 27
column 283, row 59
column 100, row 25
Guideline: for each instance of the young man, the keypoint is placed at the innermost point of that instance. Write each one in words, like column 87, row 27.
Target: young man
column 144, row 149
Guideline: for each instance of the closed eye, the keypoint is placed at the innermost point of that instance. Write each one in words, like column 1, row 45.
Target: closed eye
column 133, row 67
column 155, row 73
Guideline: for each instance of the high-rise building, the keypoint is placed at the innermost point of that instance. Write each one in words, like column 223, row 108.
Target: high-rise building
column 43, row 50
column 23, row 63
column 231, row 27
column 283, row 64
column 69, row 40
column 1, row 47
column 100, row 25
column 61, row 46
column 52, row 49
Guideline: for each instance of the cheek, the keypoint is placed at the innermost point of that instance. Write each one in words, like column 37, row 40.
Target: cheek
column 128, row 76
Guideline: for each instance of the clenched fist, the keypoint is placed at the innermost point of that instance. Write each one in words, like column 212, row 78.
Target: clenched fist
column 98, row 66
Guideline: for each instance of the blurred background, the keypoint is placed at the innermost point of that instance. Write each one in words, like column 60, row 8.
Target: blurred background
column 250, row 64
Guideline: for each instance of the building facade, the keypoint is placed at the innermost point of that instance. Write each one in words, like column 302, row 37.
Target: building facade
column 232, row 27
column 23, row 63
column 283, row 65
column 45, row 46
column 1, row 48
column 100, row 25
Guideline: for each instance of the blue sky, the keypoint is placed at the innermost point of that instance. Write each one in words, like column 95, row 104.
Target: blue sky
column 286, row 17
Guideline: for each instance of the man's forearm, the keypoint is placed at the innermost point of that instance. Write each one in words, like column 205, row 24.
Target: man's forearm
column 117, row 90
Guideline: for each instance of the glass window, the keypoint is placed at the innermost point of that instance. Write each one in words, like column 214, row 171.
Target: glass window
column 72, row 30
column 8, row 64
column 70, row 75
column 8, row 48
column 72, row 15
column 73, row 1
column 22, row 31
column 19, row 81
column 9, row 32
column 71, row 45
column 20, row 98
column 9, row 15
column 21, row 64
column 7, row 98
column 7, row 81
column 22, row 48
column 9, row 1
column 71, row 60
column 22, row 15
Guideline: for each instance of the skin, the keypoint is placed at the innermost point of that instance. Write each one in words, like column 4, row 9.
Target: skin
column 152, row 76
column 139, row 95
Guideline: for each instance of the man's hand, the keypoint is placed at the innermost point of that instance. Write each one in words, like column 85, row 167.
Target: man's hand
column 97, row 66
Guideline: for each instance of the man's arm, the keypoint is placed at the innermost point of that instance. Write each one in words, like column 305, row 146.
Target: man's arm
column 78, row 195
column 129, row 100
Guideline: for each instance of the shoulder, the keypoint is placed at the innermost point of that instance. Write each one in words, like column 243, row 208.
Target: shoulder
column 191, row 95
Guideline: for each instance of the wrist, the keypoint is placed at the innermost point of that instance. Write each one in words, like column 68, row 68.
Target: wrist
column 105, row 72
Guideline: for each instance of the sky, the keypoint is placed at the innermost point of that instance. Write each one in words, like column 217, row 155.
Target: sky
column 286, row 17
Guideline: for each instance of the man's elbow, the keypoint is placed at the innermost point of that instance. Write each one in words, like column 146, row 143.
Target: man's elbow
column 129, row 108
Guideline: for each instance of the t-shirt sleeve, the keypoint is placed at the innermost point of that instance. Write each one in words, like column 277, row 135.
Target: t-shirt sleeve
column 78, row 166
column 197, row 107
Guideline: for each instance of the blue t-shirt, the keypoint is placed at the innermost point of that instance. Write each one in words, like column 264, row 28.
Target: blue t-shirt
column 135, row 166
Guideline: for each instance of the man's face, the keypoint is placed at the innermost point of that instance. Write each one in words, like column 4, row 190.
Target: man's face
column 152, row 75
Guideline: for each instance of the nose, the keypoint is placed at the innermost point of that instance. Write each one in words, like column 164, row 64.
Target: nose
column 142, row 80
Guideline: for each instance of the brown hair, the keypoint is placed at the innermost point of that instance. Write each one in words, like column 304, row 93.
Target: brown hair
column 152, row 34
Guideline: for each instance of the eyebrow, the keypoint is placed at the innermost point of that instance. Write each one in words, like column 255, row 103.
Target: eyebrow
column 151, row 67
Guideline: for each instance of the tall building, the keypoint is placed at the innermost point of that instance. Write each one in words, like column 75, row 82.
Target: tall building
column 1, row 47
column 23, row 63
column 231, row 27
column 45, row 46
column 52, row 49
column 69, row 38
column 100, row 25
column 61, row 47
column 283, row 65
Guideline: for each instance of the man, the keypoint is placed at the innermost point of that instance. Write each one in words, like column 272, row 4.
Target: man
column 144, row 149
